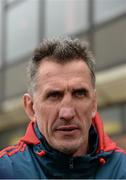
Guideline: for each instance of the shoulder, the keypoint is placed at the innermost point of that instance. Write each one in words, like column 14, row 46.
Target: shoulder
column 119, row 163
column 114, row 167
column 8, row 157
column 119, row 156
column 12, row 150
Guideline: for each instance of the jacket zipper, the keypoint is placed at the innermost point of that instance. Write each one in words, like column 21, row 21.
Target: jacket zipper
column 71, row 164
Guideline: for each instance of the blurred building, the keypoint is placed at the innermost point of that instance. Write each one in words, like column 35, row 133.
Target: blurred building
column 24, row 23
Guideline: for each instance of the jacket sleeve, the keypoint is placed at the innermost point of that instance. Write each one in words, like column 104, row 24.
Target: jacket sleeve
column 6, row 171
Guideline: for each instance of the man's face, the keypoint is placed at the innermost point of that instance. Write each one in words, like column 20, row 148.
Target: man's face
column 64, row 104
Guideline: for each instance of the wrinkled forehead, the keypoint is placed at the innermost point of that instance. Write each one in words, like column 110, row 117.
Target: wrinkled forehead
column 74, row 71
column 51, row 65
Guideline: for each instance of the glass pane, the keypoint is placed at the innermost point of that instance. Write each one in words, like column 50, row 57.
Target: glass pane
column 107, row 9
column 11, row 1
column 110, row 44
column 65, row 17
column 0, row 32
column 112, row 119
column 15, row 80
column 22, row 29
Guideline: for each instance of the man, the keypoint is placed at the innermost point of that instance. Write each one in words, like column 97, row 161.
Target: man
column 65, row 138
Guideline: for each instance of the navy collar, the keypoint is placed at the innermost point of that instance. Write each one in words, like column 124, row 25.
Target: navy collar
column 58, row 164
column 93, row 141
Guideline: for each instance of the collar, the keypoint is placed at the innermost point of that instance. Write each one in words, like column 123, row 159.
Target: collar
column 104, row 142
column 93, row 141
column 75, row 167
column 51, row 159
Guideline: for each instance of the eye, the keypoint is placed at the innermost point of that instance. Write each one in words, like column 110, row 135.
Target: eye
column 54, row 95
column 80, row 92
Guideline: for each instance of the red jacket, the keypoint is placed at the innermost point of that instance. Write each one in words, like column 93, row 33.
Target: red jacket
column 33, row 158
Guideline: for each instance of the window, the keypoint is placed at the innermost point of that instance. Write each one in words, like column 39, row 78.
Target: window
column 65, row 17
column 22, row 29
column 110, row 44
column 11, row 1
column 15, row 80
column 107, row 9
column 0, row 32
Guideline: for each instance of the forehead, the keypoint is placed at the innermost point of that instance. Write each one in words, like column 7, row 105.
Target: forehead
column 75, row 71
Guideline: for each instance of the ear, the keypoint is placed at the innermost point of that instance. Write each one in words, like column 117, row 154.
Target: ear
column 28, row 106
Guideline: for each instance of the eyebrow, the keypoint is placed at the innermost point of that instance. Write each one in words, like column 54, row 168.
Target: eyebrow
column 80, row 88
column 50, row 89
column 75, row 86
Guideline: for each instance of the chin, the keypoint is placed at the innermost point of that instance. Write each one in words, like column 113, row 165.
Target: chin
column 68, row 147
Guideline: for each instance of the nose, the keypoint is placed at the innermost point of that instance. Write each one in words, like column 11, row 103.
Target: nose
column 66, row 113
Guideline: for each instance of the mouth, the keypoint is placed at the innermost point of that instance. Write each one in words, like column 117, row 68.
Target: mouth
column 67, row 128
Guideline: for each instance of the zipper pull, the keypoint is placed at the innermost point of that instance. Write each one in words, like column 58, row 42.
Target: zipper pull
column 71, row 164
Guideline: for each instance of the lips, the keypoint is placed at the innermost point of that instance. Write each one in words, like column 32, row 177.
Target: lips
column 67, row 128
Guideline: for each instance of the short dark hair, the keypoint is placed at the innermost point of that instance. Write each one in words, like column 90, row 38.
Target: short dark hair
column 61, row 50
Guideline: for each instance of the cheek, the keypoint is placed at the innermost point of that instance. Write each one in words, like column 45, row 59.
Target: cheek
column 84, row 108
column 84, row 113
column 46, row 116
column 40, row 114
